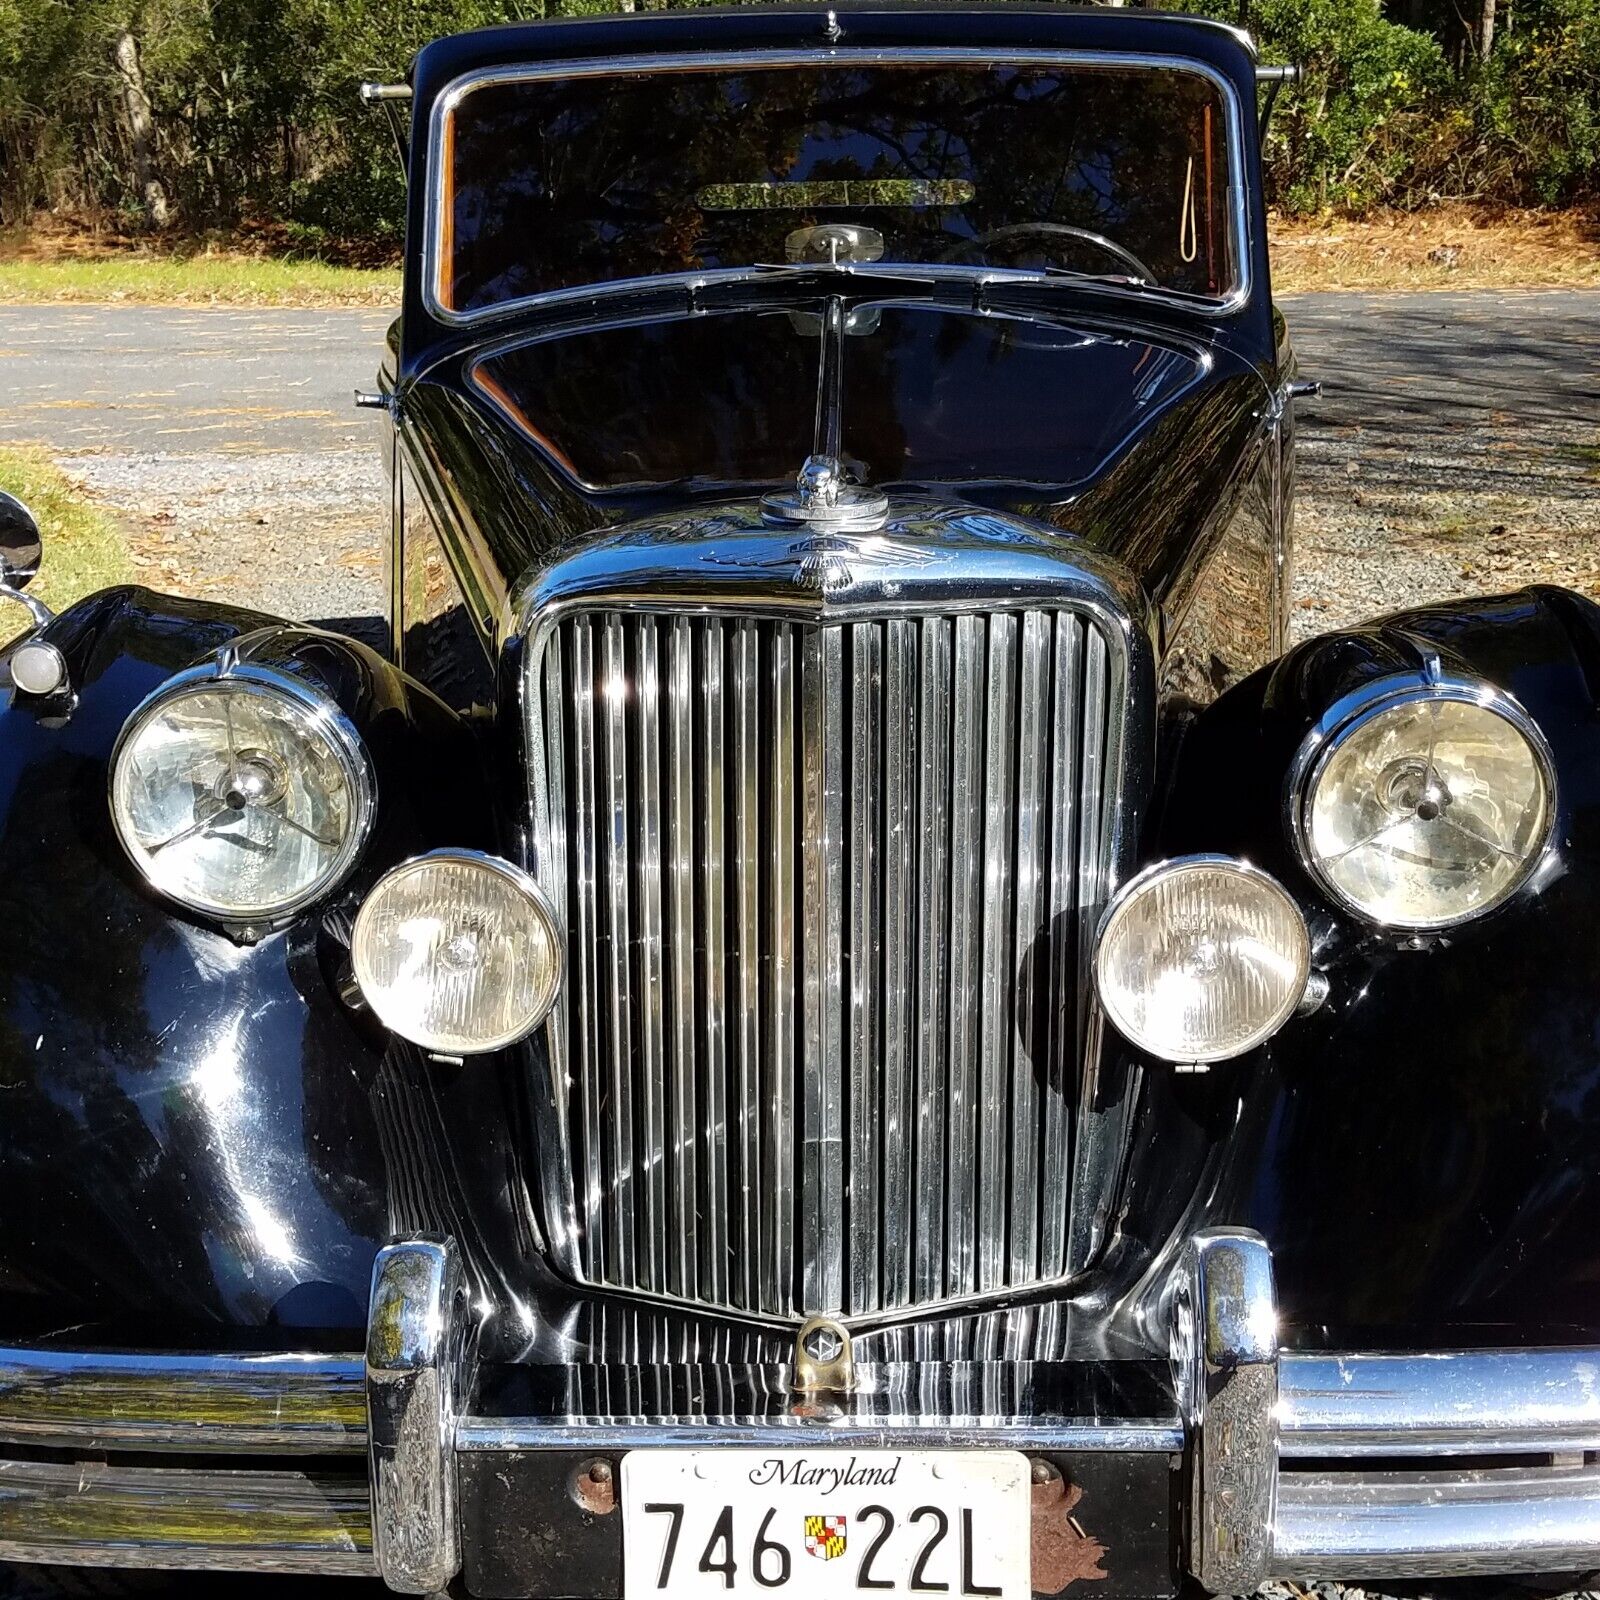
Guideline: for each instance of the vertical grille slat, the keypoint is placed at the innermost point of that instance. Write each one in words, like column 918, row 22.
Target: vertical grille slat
column 822, row 1080
column 684, row 1256
column 778, row 1253
column 933, row 894
column 866, row 1129
column 998, row 980
column 966, row 956
column 899, row 951
column 1085, row 1222
column 618, row 1112
column 584, row 922
column 829, row 890
column 712, row 802
column 649, row 937
column 746, row 1112
column 1055, row 1172
column 1028, row 1038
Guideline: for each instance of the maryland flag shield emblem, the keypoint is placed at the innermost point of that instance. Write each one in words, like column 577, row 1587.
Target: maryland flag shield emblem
column 825, row 1537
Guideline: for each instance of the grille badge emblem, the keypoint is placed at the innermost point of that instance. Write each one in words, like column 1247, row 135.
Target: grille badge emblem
column 824, row 1358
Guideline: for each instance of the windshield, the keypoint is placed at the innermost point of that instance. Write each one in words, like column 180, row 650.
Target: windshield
column 550, row 183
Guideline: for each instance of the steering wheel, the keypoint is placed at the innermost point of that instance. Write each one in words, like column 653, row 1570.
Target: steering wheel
column 1053, row 230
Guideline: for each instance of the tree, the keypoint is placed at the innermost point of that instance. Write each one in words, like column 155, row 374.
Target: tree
column 141, row 126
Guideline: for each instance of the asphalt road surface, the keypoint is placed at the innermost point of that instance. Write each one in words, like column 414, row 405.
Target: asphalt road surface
column 1456, row 447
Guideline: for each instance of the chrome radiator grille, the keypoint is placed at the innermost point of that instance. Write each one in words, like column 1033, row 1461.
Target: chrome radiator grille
column 827, row 889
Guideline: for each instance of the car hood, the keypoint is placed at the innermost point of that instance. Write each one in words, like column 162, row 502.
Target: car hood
column 1129, row 437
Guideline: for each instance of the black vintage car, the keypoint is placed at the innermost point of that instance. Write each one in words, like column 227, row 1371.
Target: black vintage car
column 835, row 1014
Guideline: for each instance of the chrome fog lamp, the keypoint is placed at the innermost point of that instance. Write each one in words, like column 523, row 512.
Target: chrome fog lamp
column 1201, row 959
column 1421, row 805
column 458, row 952
column 239, row 791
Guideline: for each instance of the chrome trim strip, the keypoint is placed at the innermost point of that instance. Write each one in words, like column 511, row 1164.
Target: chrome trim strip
column 1430, row 1524
column 843, row 56
column 1464, row 1402
column 553, row 1083
column 88, row 1514
column 888, row 1433
column 76, row 1400
column 1227, row 1314
column 416, row 1329
column 1102, row 1115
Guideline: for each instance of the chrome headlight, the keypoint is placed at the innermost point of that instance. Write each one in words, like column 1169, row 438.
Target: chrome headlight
column 243, row 794
column 1421, row 806
column 458, row 952
column 1202, row 958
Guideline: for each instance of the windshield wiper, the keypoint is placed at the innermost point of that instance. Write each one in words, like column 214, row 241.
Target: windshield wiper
column 1123, row 278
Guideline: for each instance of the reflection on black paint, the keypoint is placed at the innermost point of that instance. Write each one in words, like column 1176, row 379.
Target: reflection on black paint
column 931, row 396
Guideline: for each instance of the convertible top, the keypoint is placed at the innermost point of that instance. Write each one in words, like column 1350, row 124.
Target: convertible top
column 882, row 24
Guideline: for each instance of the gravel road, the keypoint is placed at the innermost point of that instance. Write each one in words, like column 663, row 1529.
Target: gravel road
column 1456, row 448
column 226, row 440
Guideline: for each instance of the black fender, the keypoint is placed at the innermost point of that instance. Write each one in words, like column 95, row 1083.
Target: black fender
column 1423, row 1152
column 197, row 1135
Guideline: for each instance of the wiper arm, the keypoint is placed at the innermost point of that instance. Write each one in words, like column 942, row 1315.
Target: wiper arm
column 1123, row 278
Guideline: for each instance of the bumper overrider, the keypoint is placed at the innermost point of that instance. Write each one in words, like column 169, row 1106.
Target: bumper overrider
column 1248, row 1462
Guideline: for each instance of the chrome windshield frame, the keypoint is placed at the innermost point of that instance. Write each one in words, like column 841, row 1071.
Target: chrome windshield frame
column 456, row 91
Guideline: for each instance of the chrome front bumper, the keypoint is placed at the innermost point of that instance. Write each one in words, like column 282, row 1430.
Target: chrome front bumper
column 1287, row 1463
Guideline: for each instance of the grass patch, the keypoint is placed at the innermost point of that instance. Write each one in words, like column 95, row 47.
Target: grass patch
column 209, row 280
column 83, row 549
column 1586, row 455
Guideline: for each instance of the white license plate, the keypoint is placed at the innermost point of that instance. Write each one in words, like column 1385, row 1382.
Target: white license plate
column 818, row 1524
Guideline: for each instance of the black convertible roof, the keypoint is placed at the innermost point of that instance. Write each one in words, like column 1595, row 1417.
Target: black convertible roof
column 868, row 24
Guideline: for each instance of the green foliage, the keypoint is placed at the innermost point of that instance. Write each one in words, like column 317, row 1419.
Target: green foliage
column 1540, row 99
column 1371, row 95
column 254, row 120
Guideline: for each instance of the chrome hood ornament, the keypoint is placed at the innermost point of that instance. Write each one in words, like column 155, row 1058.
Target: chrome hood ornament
column 823, row 495
column 824, row 498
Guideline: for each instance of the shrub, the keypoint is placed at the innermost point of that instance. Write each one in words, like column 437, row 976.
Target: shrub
column 1540, row 103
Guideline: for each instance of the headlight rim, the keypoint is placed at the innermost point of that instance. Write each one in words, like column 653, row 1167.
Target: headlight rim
column 326, row 717
column 1124, row 896
column 1352, row 712
column 524, row 881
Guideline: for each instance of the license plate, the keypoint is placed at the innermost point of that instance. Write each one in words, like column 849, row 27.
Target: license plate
column 817, row 1524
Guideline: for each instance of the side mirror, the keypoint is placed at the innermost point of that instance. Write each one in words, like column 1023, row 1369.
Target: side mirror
column 21, row 548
